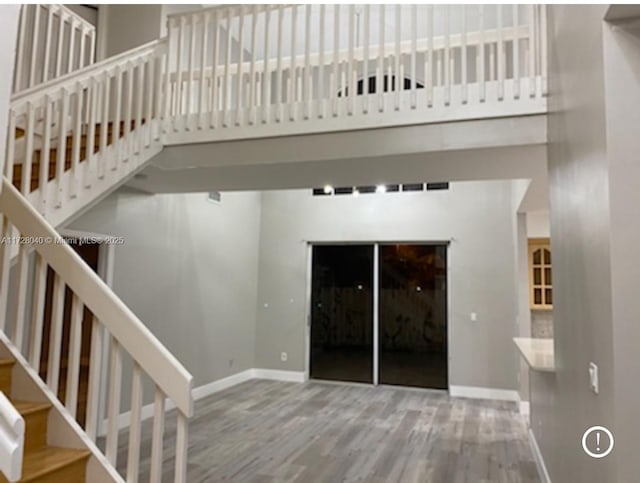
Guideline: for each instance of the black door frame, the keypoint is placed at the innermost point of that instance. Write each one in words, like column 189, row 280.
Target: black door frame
column 376, row 286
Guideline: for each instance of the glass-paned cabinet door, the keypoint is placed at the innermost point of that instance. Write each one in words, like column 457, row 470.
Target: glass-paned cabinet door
column 540, row 281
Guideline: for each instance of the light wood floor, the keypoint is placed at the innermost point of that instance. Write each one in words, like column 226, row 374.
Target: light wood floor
column 264, row 431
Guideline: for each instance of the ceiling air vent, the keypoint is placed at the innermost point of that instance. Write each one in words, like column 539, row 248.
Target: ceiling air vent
column 437, row 186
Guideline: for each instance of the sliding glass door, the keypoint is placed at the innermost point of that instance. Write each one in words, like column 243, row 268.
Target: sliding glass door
column 404, row 338
column 413, row 315
column 342, row 313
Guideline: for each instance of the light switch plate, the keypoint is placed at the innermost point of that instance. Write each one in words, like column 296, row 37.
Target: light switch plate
column 474, row 317
column 593, row 377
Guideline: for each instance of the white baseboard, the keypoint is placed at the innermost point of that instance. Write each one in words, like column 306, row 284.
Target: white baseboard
column 124, row 419
column 525, row 408
column 537, row 455
column 474, row 392
column 274, row 375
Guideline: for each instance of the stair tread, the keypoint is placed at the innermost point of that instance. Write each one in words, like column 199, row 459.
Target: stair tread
column 29, row 407
column 45, row 460
column 6, row 362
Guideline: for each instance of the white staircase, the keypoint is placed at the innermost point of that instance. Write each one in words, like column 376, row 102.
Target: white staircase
column 78, row 129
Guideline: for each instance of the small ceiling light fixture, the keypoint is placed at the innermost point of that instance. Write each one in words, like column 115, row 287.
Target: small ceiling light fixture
column 356, row 193
column 328, row 189
column 381, row 188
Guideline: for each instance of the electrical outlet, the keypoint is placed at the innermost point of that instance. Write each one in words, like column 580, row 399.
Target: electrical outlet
column 593, row 378
column 283, row 357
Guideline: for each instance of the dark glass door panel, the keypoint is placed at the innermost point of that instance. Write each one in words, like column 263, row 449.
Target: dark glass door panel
column 342, row 313
column 413, row 315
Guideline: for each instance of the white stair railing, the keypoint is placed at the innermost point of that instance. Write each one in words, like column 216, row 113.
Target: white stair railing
column 87, row 128
column 114, row 325
column 11, row 440
column 283, row 68
column 52, row 41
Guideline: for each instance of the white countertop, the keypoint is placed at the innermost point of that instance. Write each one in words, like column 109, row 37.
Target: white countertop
column 538, row 353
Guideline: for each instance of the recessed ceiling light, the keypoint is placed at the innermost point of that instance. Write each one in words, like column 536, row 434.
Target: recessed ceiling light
column 381, row 188
column 328, row 189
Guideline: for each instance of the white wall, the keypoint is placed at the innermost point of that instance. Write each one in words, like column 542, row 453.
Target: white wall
column 188, row 269
column 562, row 405
column 538, row 225
column 478, row 216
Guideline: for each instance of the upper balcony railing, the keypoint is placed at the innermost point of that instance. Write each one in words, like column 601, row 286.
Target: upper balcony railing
column 289, row 69
column 52, row 41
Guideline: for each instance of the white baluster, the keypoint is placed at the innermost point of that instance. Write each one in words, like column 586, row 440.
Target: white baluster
column 414, row 48
column 75, row 346
column 463, row 56
column 203, row 68
column 20, row 51
column 482, row 76
column 47, row 43
column 190, row 80
column 76, row 141
column 113, row 404
column 240, row 64
column 95, row 379
column 321, row 65
column 128, row 113
column 11, row 145
column 399, row 81
column 92, row 98
column 60, row 44
column 447, row 55
column 336, row 59
column 34, row 45
column 21, row 296
column 72, row 46
column 225, row 80
column 516, row 52
column 150, row 78
column 5, row 266
column 279, row 73
column 531, row 50
column 104, row 126
column 37, row 311
column 213, row 120
column 177, row 112
column 500, row 54
column 133, row 461
column 45, row 153
column 27, row 164
column 380, row 79
column 157, row 438
column 430, row 71
column 292, row 95
column 308, row 68
column 182, row 444
column 365, row 65
column 166, row 108
column 543, row 49
column 61, row 150
column 138, row 137
column 55, row 339
column 117, row 145
column 351, row 96
column 252, row 68
column 266, row 82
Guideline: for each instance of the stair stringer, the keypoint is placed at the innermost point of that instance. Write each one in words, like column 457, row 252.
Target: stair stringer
column 63, row 430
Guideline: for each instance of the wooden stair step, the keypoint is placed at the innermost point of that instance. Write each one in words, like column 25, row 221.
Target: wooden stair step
column 35, row 416
column 6, row 367
column 53, row 154
column 54, row 465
